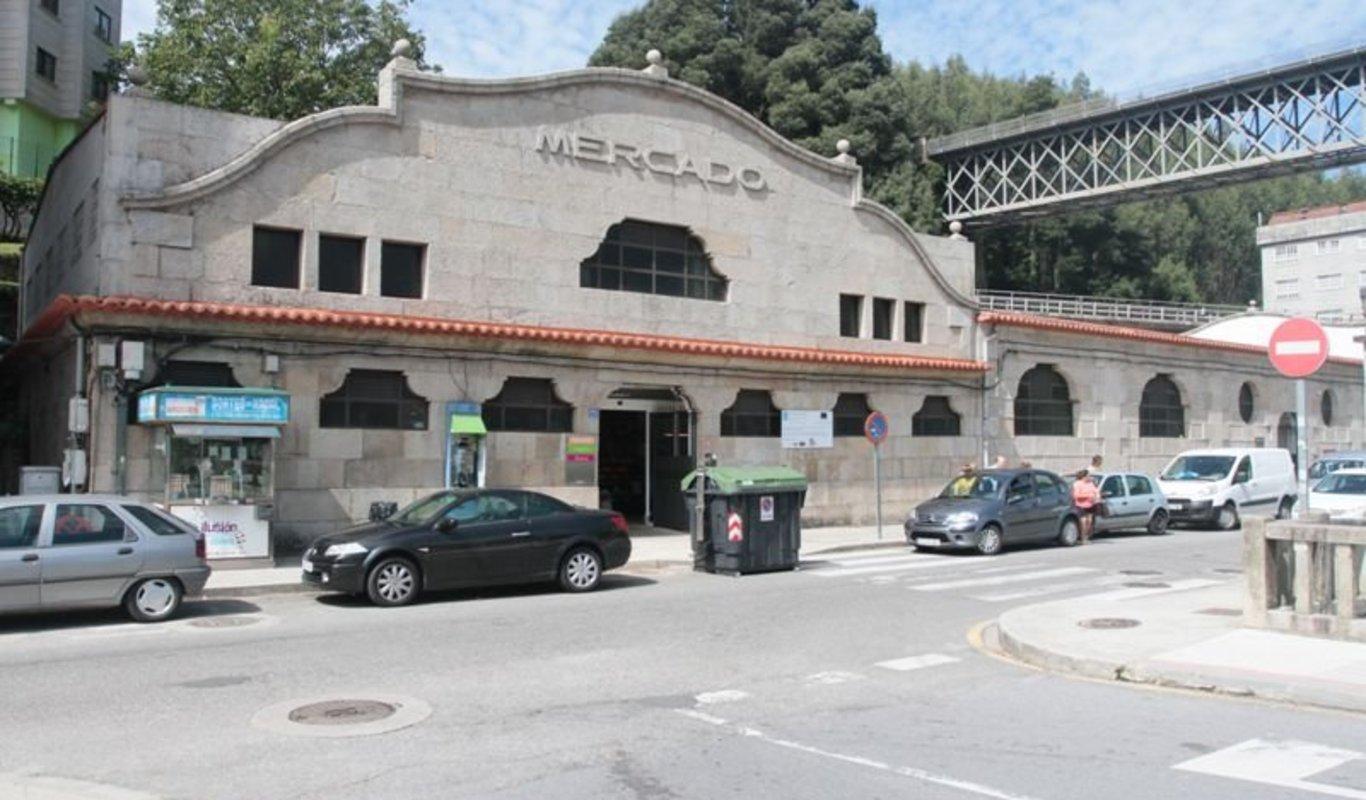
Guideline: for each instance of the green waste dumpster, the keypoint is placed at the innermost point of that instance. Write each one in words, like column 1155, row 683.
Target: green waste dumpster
column 753, row 519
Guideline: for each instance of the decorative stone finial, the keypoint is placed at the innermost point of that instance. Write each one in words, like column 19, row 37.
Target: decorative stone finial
column 842, row 147
column 401, row 49
column 956, row 230
column 656, row 67
column 137, row 75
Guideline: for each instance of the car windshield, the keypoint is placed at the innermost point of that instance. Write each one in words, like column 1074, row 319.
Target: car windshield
column 1337, row 483
column 424, row 510
column 1198, row 468
column 1330, row 465
column 966, row 487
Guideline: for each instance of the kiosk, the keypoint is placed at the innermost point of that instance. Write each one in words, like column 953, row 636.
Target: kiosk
column 220, row 461
column 465, row 437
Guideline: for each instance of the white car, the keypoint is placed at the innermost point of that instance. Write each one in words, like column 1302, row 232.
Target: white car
column 1219, row 485
column 1342, row 494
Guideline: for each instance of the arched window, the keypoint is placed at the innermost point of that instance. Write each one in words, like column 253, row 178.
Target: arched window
column 1246, row 402
column 528, row 404
column 936, row 418
column 651, row 258
column 752, row 414
column 1326, row 407
column 374, row 398
column 1160, row 413
column 1287, row 435
column 1043, row 404
column 851, row 411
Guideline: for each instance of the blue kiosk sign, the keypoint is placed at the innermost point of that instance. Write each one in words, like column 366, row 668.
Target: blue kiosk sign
column 168, row 404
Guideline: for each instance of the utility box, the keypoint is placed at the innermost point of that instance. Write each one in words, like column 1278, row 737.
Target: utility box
column 40, row 480
column 753, row 519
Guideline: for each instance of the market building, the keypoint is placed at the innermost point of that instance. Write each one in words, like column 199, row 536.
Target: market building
column 576, row 283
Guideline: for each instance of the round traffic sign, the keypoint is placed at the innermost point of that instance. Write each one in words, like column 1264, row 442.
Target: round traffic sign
column 875, row 427
column 1298, row 347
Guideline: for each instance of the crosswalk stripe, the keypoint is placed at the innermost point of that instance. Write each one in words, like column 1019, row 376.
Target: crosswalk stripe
column 863, row 562
column 1051, row 588
column 916, row 662
column 997, row 580
column 845, row 573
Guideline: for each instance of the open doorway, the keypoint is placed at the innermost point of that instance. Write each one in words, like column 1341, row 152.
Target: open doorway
column 645, row 449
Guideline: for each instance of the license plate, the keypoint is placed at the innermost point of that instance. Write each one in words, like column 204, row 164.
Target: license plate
column 928, row 542
column 1177, row 505
column 308, row 565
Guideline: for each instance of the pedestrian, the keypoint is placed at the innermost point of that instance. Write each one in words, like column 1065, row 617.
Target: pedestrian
column 999, row 463
column 1096, row 462
column 1085, row 495
column 1026, row 465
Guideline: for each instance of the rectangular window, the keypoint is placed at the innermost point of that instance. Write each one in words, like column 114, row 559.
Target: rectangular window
column 341, row 262
column 915, row 322
column 1328, row 246
column 1287, row 288
column 851, row 315
column 51, row 6
column 47, row 65
column 19, row 526
column 85, row 523
column 275, row 257
column 883, row 311
column 1330, row 281
column 400, row 269
column 99, row 87
column 1287, row 252
column 104, row 25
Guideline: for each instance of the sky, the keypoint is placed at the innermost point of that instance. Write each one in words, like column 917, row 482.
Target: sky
column 1127, row 48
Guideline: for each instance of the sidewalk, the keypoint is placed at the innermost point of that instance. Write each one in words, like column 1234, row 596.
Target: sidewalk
column 1187, row 639
column 650, row 549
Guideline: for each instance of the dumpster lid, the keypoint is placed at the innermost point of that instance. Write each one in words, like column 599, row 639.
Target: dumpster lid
column 750, row 479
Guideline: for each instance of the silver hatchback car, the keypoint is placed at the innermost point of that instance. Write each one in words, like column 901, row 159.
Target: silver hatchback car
column 97, row 550
column 1132, row 502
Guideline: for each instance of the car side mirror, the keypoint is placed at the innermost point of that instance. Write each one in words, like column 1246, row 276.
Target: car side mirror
column 447, row 525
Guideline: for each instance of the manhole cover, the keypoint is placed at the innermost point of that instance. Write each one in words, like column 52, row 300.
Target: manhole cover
column 1221, row 612
column 224, row 622
column 1109, row 623
column 359, row 714
column 1140, row 572
column 341, row 712
column 1148, row 585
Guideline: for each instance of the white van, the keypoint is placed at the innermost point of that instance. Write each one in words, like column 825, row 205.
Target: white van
column 1215, row 486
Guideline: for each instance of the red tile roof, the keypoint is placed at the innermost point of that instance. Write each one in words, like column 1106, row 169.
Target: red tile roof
column 1096, row 329
column 1318, row 212
column 65, row 307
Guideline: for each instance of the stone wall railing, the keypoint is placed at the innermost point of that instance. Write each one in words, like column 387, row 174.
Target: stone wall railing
column 1305, row 576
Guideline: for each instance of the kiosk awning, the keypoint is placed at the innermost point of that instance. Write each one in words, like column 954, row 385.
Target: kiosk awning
column 228, row 431
column 468, row 424
column 213, row 405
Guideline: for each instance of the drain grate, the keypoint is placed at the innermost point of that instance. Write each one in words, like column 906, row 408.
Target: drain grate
column 1109, row 623
column 1140, row 572
column 1221, row 612
column 224, row 622
column 342, row 712
column 1148, row 585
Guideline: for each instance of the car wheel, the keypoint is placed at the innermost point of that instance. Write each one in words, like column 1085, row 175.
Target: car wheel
column 392, row 582
column 990, row 541
column 1286, row 507
column 1228, row 517
column 581, row 570
column 1159, row 522
column 1069, row 533
column 153, row 599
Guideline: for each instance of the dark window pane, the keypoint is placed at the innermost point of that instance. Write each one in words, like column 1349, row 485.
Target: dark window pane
column 1245, row 402
column 275, row 258
column 332, row 413
column 400, row 270
column 528, row 404
column 752, row 414
column 883, row 309
column 635, row 258
column 1043, row 404
column 340, row 264
column 633, row 281
column 936, row 417
column 637, row 233
column 373, row 399
column 671, row 237
column 915, row 322
column 851, row 315
column 1160, row 413
column 609, row 255
column 669, row 261
column 653, row 258
column 85, row 523
column 851, row 411
column 588, row 275
column 1326, row 407
column 19, row 526
column 668, row 285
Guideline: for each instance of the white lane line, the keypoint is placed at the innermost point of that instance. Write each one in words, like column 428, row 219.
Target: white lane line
column 1175, row 586
column 1021, row 577
column 924, row 776
column 1052, row 588
column 863, row 562
column 832, row 678
column 935, row 563
column 722, row 696
column 916, row 662
column 1287, row 764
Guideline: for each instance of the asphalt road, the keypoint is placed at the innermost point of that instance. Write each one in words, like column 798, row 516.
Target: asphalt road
column 851, row 678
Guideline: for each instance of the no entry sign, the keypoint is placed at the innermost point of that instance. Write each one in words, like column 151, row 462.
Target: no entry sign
column 1298, row 347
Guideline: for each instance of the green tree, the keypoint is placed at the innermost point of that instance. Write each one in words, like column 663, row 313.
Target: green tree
column 281, row 59
column 18, row 199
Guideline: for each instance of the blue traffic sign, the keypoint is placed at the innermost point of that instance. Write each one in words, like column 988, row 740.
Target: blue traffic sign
column 875, row 427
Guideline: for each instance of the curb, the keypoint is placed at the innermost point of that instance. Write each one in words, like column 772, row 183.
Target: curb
column 256, row 590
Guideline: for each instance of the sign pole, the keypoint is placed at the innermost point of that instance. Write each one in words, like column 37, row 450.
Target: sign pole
column 1301, row 449
column 877, row 481
column 875, row 430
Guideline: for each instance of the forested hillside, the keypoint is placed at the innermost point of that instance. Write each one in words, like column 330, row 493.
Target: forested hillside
column 816, row 72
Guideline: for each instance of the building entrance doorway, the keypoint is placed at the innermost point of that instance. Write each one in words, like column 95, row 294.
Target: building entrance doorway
column 645, row 449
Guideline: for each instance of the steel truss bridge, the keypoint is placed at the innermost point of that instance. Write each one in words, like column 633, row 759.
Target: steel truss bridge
column 1302, row 116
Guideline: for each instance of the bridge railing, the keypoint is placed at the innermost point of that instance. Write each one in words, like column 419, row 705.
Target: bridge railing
column 1305, row 576
column 1107, row 309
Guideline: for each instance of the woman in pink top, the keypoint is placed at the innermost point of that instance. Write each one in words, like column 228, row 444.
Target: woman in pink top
column 1085, row 495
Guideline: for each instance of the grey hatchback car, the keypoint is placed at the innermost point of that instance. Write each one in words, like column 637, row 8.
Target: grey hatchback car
column 1132, row 502
column 97, row 550
column 987, row 510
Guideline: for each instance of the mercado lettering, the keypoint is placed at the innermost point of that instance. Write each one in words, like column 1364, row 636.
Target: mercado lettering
column 679, row 164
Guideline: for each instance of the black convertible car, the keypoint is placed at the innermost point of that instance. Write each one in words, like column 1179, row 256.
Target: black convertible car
column 463, row 538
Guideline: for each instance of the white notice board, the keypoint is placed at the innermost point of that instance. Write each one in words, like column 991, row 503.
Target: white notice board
column 806, row 430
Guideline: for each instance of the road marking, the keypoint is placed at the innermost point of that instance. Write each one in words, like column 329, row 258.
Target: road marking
column 48, row 787
column 1052, row 588
column 1021, row 577
column 722, row 696
column 929, row 563
column 865, row 561
column 832, row 678
column 916, row 662
column 1287, row 764
column 924, row 776
column 1175, row 586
